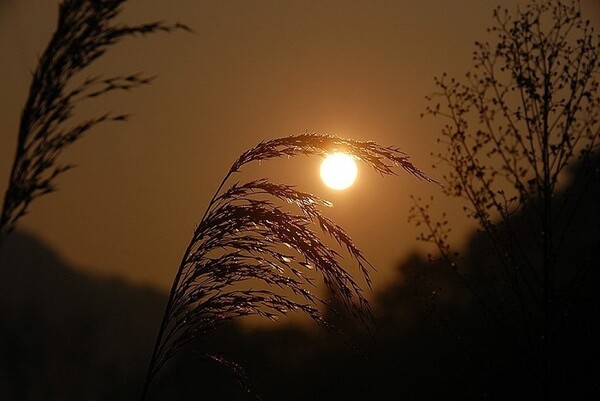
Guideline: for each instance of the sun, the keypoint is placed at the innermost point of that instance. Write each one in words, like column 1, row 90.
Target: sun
column 338, row 171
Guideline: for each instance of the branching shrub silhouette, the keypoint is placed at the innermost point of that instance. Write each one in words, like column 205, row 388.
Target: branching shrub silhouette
column 529, row 109
column 85, row 31
column 239, row 241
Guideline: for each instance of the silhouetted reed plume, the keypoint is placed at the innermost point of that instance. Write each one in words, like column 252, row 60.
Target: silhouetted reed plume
column 248, row 236
column 86, row 29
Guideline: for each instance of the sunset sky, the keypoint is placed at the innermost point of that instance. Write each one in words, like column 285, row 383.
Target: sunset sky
column 252, row 70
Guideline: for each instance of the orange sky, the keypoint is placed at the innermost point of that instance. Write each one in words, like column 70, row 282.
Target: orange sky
column 253, row 70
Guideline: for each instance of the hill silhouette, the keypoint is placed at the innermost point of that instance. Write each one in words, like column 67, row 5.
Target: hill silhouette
column 67, row 334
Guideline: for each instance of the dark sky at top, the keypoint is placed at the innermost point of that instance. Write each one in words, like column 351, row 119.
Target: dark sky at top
column 253, row 70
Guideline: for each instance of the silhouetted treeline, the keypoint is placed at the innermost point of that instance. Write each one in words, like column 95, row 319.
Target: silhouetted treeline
column 66, row 335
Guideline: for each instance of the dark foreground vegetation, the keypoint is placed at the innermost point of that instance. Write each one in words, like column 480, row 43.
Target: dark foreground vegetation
column 67, row 335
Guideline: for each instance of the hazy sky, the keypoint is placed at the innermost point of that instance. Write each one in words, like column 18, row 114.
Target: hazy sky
column 253, row 70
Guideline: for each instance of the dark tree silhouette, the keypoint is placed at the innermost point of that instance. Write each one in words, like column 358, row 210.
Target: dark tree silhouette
column 85, row 31
column 529, row 109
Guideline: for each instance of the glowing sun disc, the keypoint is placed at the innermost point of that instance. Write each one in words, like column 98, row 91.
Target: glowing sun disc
column 338, row 171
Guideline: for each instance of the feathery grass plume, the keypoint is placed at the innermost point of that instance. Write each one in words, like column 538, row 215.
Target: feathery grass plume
column 85, row 30
column 239, row 240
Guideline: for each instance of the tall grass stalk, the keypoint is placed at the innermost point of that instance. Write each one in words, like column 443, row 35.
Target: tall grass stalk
column 85, row 31
column 249, row 252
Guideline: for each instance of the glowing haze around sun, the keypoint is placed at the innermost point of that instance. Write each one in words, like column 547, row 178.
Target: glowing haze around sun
column 339, row 171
